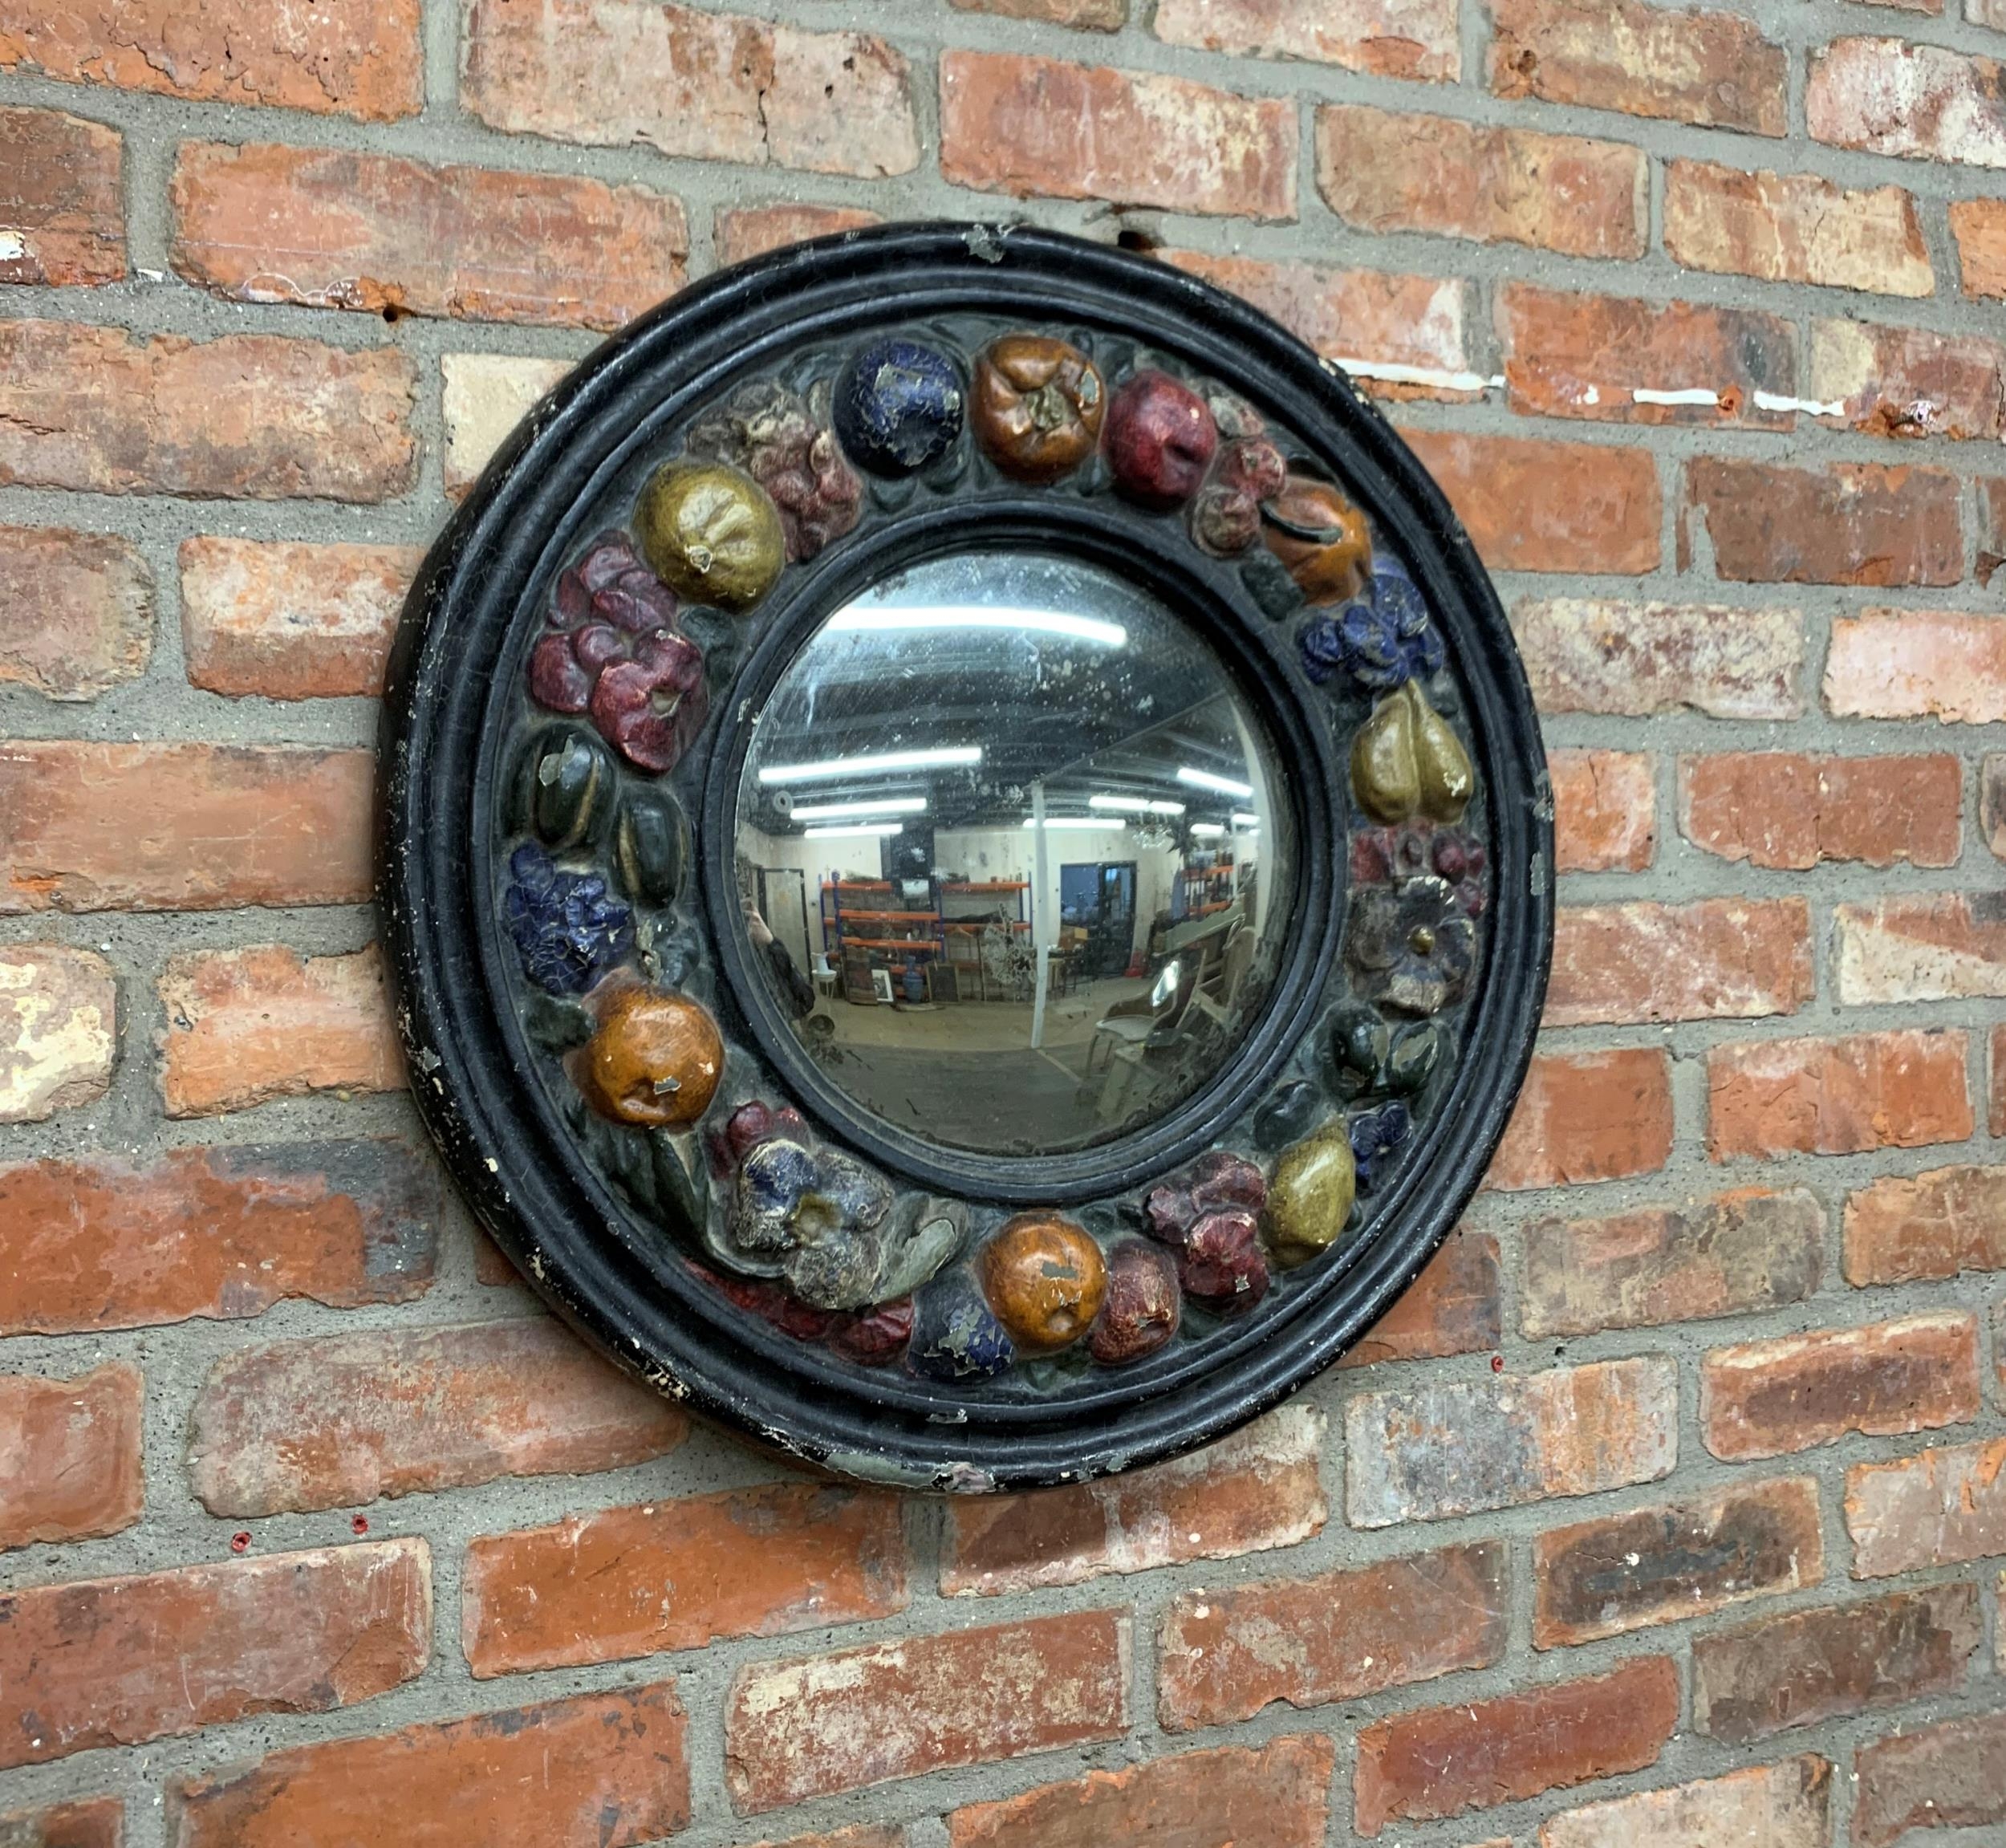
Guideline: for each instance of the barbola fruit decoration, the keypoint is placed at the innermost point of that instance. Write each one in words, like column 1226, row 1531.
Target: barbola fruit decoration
column 808, row 1239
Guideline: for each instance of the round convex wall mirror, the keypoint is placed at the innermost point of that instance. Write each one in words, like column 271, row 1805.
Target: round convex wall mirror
column 1026, row 764
column 968, row 856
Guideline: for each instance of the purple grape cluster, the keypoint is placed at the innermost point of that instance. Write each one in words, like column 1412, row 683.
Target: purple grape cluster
column 614, row 651
column 1377, row 641
column 568, row 932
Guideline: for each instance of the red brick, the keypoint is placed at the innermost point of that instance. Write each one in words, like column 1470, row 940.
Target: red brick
column 1795, row 228
column 596, row 1771
column 1937, row 1508
column 1276, row 1796
column 96, row 1822
column 1770, row 1397
column 76, row 612
column 1398, row 336
column 1911, row 664
column 244, row 1026
column 1731, row 1255
column 1614, row 359
column 221, row 1233
column 1909, row 381
column 1462, row 1447
column 678, row 1574
column 359, row 58
column 1940, row 946
column 1605, row 811
column 349, row 1419
column 1894, row 96
column 1785, row 1805
column 1381, row 171
column 743, row 232
column 330, row 228
column 1452, row 1307
column 251, row 417
column 1715, row 69
column 1902, row 1229
column 817, row 1724
column 1587, row 1116
column 1716, row 959
column 1790, row 809
column 696, row 85
column 1084, row 15
column 1979, row 228
column 119, row 1661
column 59, row 1029
column 1991, row 528
column 1388, row 38
column 1851, row 523
column 1249, row 1492
column 60, row 197
column 1533, row 506
column 1651, row 1565
column 1812, row 1666
column 87, row 827
column 72, row 1447
column 1443, row 1760
column 1634, row 659
column 1897, row 1090
column 1222, row 1656
column 1996, row 1115
column 1035, row 127
column 288, row 621
column 1944, row 1776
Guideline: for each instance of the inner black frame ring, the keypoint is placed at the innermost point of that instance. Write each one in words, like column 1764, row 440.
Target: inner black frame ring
column 510, row 1166
column 1104, row 532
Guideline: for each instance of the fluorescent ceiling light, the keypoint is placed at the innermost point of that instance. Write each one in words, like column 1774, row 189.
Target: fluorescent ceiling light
column 848, row 811
column 974, row 616
column 1206, row 830
column 941, row 756
column 1078, row 822
column 1241, row 818
column 857, row 831
column 1205, row 780
column 1135, row 805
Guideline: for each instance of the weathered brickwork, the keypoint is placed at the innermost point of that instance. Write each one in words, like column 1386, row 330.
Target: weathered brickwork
column 1668, row 1506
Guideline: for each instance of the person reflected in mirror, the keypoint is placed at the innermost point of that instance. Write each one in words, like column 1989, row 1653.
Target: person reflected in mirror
column 795, row 991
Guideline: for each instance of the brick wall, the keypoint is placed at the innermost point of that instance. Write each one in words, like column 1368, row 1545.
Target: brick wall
column 1669, row 1508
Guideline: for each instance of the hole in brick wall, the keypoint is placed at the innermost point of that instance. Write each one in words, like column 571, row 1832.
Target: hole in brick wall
column 392, row 313
column 1143, row 241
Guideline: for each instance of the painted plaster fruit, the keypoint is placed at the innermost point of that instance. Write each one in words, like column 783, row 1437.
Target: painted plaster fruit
column 1142, row 1305
column 1044, row 1279
column 956, row 1338
column 1222, row 1266
column 1160, row 439
column 650, row 846
column 898, row 406
column 1309, row 1196
column 1405, row 761
column 1322, row 538
column 783, row 441
column 1225, row 518
column 654, row 1061
column 1036, row 406
column 711, row 532
column 565, row 787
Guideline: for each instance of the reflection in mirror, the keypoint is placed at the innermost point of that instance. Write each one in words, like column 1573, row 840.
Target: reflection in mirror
column 1015, row 854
